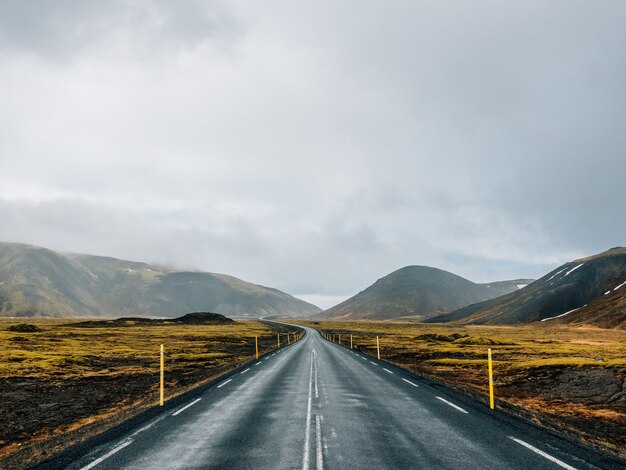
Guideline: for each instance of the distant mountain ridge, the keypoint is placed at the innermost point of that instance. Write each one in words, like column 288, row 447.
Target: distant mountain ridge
column 417, row 292
column 590, row 290
column 38, row 281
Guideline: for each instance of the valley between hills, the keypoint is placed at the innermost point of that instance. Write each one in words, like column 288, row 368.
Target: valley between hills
column 74, row 363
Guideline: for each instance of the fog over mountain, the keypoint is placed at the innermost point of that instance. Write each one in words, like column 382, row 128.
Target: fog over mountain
column 35, row 281
column 312, row 146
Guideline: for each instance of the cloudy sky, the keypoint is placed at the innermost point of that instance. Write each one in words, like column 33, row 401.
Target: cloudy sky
column 316, row 146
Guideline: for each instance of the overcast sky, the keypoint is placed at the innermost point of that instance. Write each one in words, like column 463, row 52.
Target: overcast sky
column 316, row 146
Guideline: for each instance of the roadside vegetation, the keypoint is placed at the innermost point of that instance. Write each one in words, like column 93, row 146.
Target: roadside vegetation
column 60, row 382
column 572, row 379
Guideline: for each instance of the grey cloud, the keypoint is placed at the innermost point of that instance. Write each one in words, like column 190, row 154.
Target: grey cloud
column 64, row 29
column 332, row 143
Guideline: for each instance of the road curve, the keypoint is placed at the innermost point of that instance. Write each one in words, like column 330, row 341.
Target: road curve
column 317, row 405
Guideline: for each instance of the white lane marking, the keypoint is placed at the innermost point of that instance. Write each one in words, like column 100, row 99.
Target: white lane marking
column 147, row 426
column 176, row 413
column 373, row 363
column 224, row 383
column 451, row 404
column 409, row 382
column 266, row 358
column 318, row 442
column 363, row 358
column 305, row 453
column 257, row 363
column 387, row 370
column 542, row 453
column 244, row 371
column 108, row 454
column 316, row 390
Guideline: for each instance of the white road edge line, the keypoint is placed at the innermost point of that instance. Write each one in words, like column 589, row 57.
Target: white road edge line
column 542, row 453
column 451, row 404
column 108, row 454
column 244, row 371
column 224, row 383
column 372, row 362
column 146, row 427
column 257, row 363
column 316, row 389
column 409, row 382
column 387, row 370
column 176, row 413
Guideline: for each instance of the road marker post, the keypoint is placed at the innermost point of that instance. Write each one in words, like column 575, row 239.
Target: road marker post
column 288, row 338
column 378, row 347
column 350, row 341
column 161, row 377
column 256, row 346
column 491, row 400
column 278, row 335
column 339, row 342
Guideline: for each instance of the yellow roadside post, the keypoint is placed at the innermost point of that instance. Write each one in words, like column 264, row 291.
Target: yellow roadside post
column 378, row 347
column 256, row 346
column 278, row 335
column 339, row 342
column 350, row 341
column 491, row 400
column 161, row 378
column 288, row 338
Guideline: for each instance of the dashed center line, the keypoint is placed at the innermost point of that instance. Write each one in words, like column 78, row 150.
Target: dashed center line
column 451, row 404
column 245, row 371
column 257, row 363
column 387, row 370
column 371, row 362
column 542, row 453
column 409, row 382
column 176, row 413
column 224, row 383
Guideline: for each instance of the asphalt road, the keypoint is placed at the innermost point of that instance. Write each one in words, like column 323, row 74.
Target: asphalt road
column 317, row 405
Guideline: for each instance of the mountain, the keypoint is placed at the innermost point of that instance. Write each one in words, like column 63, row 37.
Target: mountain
column 417, row 292
column 590, row 290
column 38, row 281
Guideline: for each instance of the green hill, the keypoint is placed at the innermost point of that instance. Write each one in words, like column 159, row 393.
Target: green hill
column 417, row 292
column 590, row 290
column 36, row 281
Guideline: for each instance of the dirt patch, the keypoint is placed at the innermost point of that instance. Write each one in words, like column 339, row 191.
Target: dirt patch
column 604, row 386
column 37, row 408
column 23, row 328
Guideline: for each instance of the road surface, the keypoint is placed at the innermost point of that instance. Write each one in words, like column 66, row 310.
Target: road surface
column 318, row 405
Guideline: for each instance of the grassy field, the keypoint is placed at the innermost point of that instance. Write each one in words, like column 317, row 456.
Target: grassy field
column 62, row 383
column 571, row 379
